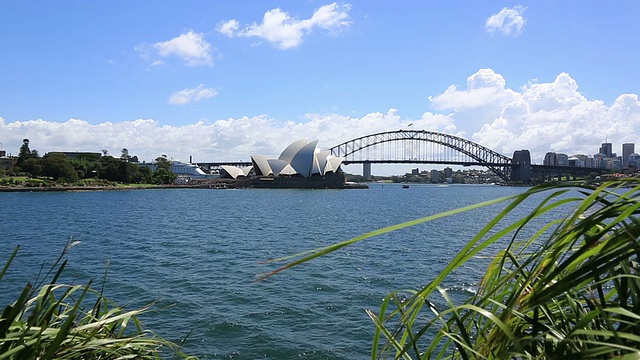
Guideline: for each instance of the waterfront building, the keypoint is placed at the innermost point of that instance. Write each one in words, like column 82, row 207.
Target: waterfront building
column 627, row 150
column 6, row 162
column 300, row 165
column 448, row 172
column 184, row 171
column 435, row 176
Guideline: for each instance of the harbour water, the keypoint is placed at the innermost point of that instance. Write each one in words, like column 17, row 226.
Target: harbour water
column 201, row 250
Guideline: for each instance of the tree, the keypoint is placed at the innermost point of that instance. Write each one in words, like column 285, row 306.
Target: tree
column 58, row 166
column 125, row 155
column 25, row 153
column 163, row 173
column 109, row 168
column 146, row 175
column 33, row 166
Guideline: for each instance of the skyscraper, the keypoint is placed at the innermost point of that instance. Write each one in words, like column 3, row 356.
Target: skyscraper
column 627, row 149
column 606, row 149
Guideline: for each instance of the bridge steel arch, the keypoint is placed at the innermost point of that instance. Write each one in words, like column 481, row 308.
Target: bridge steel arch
column 482, row 156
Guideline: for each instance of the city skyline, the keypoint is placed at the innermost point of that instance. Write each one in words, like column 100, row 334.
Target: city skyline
column 220, row 81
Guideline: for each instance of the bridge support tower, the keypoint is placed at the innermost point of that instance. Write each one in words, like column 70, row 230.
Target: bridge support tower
column 366, row 170
column 521, row 166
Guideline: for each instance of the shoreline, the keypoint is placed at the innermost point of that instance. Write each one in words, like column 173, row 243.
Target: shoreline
column 98, row 188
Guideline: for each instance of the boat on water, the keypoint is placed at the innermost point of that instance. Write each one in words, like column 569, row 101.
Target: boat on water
column 405, row 186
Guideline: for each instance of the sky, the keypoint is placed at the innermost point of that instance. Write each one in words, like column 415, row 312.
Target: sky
column 222, row 80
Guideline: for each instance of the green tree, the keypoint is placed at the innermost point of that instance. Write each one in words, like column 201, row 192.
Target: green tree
column 146, row 175
column 125, row 155
column 58, row 166
column 33, row 166
column 26, row 153
column 109, row 168
column 163, row 173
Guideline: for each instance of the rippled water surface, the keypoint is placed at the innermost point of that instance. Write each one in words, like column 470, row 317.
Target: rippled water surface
column 202, row 249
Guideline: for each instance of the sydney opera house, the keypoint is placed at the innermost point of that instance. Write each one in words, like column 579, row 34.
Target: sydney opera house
column 300, row 165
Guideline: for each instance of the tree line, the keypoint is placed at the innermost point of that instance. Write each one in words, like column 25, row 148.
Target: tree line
column 60, row 168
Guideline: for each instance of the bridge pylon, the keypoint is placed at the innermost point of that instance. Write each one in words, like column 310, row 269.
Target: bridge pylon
column 366, row 170
column 521, row 166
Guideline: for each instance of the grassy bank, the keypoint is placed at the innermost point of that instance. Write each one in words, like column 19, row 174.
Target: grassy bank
column 50, row 320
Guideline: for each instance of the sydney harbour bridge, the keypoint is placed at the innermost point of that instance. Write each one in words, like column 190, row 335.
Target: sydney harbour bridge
column 430, row 147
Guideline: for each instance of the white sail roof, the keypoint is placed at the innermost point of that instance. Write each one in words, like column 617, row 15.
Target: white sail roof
column 333, row 164
column 300, row 157
column 290, row 151
column 261, row 165
column 233, row 171
column 303, row 159
column 281, row 167
column 320, row 162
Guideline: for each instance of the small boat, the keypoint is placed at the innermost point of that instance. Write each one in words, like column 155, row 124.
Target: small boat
column 405, row 186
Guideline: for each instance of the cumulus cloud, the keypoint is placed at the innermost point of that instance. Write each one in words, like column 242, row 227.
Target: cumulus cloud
column 540, row 117
column 509, row 22
column 191, row 47
column 186, row 96
column 279, row 28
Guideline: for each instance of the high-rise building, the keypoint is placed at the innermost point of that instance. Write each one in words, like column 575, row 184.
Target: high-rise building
column 627, row 149
column 435, row 176
column 562, row 159
column 606, row 149
column 549, row 159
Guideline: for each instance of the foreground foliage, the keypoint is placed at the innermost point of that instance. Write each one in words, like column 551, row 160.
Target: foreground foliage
column 58, row 321
column 569, row 289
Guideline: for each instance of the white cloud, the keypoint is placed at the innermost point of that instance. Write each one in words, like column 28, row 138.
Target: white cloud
column 508, row 21
column 279, row 28
column 191, row 47
column 229, row 27
column 186, row 96
column 541, row 117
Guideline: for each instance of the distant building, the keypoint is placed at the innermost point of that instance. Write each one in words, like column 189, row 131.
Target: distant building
column 549, row 159
column 562, row 159
column 634, row 160
column 600, row 161
column 435, row 176
column 81, row 155
column 448, row 173
column 614, row 164
column 415, row 171
column 184, row 171
column 556, row 159
column 584, row 160
column 6, row 162
column 607, row 150
column 627, row 150
column 576, row 162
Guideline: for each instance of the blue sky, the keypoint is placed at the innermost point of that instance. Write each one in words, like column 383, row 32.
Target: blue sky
column 222, row 80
